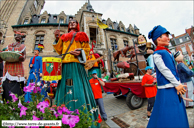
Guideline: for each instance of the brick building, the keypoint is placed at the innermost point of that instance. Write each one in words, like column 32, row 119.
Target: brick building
column 24, row 15
column 182, row 43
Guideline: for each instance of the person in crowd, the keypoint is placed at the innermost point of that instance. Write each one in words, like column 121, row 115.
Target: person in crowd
column 169, row 109
column 96, row 84
column 185, row 75
column 13, row 72
column 149, row 83
column 74, row 78
column 106, row 76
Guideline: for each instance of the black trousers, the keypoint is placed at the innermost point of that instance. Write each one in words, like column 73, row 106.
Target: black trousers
column 12, row 86
column 150, row 103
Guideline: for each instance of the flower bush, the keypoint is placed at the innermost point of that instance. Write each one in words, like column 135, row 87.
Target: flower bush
column 37, row 109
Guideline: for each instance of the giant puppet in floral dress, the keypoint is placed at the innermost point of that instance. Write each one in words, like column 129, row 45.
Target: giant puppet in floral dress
column 74, row 89
column 13, row 73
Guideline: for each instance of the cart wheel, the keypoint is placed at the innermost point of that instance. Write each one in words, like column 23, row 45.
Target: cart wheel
column 49, row 100
column 133, row 102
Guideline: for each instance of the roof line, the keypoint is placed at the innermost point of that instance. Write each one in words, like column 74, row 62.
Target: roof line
column 42, row 24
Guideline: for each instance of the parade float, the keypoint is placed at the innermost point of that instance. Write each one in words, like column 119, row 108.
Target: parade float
column 129, row 83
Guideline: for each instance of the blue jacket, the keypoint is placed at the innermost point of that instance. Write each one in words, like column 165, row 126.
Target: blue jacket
column 166, row 72
column 184, row 72
column 37, row 66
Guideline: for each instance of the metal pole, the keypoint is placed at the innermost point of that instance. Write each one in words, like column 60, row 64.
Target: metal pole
column 136, row 58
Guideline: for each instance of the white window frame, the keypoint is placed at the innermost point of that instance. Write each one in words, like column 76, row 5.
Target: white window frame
column 190, row 47
column 180, row 40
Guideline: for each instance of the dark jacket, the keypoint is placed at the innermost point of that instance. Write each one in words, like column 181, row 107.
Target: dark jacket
column 184, row 72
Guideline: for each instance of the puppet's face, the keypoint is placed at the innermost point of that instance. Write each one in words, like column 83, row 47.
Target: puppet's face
column 18, row 37
column 36, row 52
column 141, row 39
column 164, row 40
column 179, row 58
column 72, row 24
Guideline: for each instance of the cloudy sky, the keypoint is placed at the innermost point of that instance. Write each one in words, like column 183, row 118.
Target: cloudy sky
column 176, row 16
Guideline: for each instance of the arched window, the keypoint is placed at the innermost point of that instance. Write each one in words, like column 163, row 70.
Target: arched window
column 61, row 20
column 39, row 39
column 122, row 29
column 26, row 21
column 43, row 20
column 113, row 44
column 110, row 26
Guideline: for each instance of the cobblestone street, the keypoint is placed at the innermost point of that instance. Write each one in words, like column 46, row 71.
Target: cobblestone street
column 134, row 118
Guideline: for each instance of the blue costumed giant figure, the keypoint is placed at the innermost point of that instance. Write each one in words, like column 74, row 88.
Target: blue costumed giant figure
column 35, row 66
column 169, row 109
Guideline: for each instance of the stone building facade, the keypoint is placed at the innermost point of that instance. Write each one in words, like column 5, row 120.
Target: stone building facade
column 40, row 28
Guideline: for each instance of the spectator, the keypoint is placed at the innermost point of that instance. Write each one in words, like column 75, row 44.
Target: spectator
column 150, row 89
column 106, row 76
column 96, row 84
column 185, row 75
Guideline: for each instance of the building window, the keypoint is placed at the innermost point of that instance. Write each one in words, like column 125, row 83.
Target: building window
column 23, row 39
column 187, row 38
column 183, row 50
column 55, row 17
column 35, row 4
column 125, row 43
column 122, row 29
column 190, row 47
column 39, row 40
column 26, row 21
column 114, row 44
column 61, row 20
column 43, row 20
column 110, row 26
column 180, row 40
column 131, row 31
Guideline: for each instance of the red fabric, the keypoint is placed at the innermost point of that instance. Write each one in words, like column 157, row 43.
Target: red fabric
column 56, row 69
column 34, row 59
column 162, row 48
column 98, row 56
column 150, row 91
column 14, row 69
column 99, row 118
column 19, row 32
column 96, row 88
column 80, row 37
column 135, row 88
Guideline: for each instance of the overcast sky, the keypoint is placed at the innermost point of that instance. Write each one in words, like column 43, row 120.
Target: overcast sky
column 176, row 16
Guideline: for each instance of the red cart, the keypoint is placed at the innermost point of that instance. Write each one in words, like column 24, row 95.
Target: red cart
column 132, row 90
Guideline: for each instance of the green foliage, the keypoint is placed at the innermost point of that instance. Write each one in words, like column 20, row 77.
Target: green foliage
column 11, row 111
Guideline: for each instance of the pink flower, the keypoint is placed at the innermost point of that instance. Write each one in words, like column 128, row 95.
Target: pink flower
column 56, row 114
column 11, row 126
column 35, row 118
column 42, row 105
column 29, row 88
column 23, row 111
column 27, row 126
column 66, row 110
column 70, row 120
column 13, row 97
column 76, row 111
column 34, row 126
column 20, row 104
column 60, row 110
column 37, row 89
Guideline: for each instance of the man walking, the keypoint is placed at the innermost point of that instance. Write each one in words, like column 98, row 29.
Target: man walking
column 150, row 89
column 96, row 84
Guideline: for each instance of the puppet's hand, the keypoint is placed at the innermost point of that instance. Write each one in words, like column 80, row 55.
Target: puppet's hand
column 21, row 58
column 180, row 89
column 149, row 51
